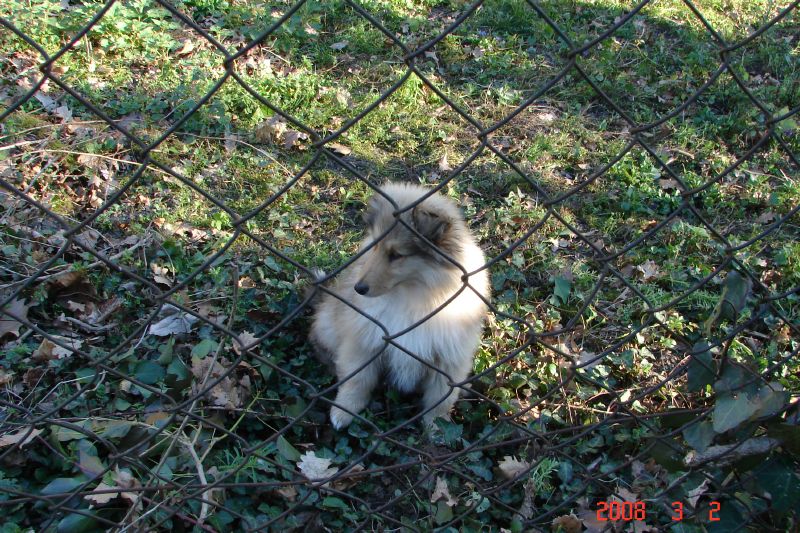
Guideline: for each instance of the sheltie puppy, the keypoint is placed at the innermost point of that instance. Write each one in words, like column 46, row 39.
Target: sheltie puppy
column 420, row 284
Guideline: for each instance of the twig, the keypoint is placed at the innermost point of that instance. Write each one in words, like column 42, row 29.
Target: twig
column 73, row 123
column 20, row 143
column 69, row 268
column 100, row 156
column 89, row 327
column 728, row 453
column 201, row 473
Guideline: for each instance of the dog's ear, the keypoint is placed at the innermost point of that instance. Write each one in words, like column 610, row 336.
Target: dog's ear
column 430, row 224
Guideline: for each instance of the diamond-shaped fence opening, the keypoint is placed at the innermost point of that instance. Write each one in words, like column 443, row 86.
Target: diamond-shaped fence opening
column 183, row 183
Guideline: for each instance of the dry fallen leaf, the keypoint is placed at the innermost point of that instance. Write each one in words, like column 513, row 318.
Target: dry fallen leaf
column 590, row 519
column 444, row 164
column 47, row 102
column 91, row 161
column 270, row 130
column 569, row 523
column 124, row 480
column 315, row 468
column 346, row 482
column 9, row 325
column 99, row 497
column 231, row 140
column 525, row 510
column 230, row 392
column 766, row 218
column 339, row 149
column 63, row 112
column 188, row 47
column 292, row 138
column 344, row 98
column 275, row 130
column 73, row 285
column 288, row 492
column 625, row 495
column 88, row 238
column 649, row 270
column 695, row 494
column 638, row 468
column 245, row 339
column 172, row 325
column 48, row 350
column 512, row 467
column 669, row 183
column 21, row 437
column 442, row 492
column 161, row 274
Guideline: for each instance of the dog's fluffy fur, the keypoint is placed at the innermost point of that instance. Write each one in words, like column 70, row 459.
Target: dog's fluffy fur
column 400, row 280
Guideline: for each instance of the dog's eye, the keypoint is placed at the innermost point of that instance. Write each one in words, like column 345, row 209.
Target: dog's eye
column 394, row 256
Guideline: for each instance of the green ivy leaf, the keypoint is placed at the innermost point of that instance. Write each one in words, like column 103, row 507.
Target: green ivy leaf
column 88, row 461
column 77, row 523
column 115, row 429
column 731, row 516
column 770, row 399
column 62, row 485
column 778, row 477
column 164, row 472
column 149, row 372
column 788, row 434
column 63, row 434
column 286, row 450
column 699, row 436
column 565, row 471
column 562, row 289
column 732, row 379
column 331, row 502
column 450, row 431
column 700, row 371
column 443, row 513
column 734, row 294
column 203, row 348
column 166, row 352
column 481, row 471
column 787, row 124
column 178, row 369
column 731, row 410
column 735, row 290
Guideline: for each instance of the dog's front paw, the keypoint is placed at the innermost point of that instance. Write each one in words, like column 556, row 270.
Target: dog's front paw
column 340, row 418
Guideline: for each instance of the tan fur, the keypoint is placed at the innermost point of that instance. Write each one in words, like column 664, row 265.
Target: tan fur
column 405, row 279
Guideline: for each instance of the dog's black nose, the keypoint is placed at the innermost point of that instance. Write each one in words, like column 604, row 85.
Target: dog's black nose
column 361, row 288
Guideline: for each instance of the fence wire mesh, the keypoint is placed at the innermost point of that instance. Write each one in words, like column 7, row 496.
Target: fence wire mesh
column 156, row 373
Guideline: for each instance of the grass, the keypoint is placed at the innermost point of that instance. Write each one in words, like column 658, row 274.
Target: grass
column 559, row 303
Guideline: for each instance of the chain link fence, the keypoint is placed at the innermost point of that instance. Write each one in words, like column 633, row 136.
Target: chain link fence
column 131, row 401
